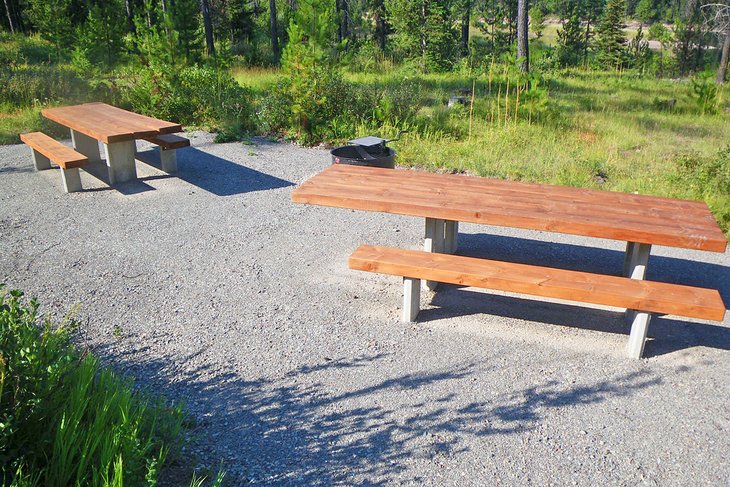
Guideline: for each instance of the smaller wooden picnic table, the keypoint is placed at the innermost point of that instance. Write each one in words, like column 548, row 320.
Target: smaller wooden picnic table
column 114, row 127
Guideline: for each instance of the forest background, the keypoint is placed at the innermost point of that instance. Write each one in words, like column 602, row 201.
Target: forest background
column 625, row 95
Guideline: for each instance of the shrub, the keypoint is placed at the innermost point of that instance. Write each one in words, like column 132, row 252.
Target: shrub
column 27, row 86
column 64, row 420
column 194, row 95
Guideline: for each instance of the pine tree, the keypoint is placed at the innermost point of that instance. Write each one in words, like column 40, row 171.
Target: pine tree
column 103, row 33
column 610, row 40
column 571, row 36
column 53, row 20
column 186, row 19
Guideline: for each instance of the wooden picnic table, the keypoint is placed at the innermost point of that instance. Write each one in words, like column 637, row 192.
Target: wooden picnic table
column 114, row 127
column 444, row 200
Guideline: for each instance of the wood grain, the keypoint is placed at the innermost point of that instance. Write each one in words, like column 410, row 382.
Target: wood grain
column 107, row 123
column 577, row 211
column 58, row 153
column 169, row 141
column 622, row 292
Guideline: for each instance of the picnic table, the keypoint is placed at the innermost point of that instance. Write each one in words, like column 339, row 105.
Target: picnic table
column 444, row 200
column 115, row 128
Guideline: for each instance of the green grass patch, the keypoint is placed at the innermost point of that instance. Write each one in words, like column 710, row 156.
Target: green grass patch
column 65, row 419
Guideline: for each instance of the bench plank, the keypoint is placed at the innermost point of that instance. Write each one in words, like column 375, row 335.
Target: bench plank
column 58, row 153
column 648, row 296
column 169, row 141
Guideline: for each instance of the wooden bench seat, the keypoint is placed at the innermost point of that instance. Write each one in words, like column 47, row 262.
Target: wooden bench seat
column 643, row 297
column 46, row 150
column 168, row 144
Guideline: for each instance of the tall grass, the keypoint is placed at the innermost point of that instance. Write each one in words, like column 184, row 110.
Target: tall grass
column 64, row 419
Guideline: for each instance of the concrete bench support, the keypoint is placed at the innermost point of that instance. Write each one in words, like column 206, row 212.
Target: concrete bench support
column 168, row 160
column 637, row 337
column 120, row 160
column 433, row 242
column 636, row 261
column 40, row 161
column 411, row 299
column 451, row 237
column 86, row 145
column 71, row 179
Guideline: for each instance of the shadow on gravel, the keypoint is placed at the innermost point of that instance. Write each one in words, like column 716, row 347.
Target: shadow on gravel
column 15, row 169
column 100, row 171
column 294, row 429
column 673, row 334
column 215, row 174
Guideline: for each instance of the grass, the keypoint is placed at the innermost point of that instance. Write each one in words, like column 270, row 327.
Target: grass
column 64, row 419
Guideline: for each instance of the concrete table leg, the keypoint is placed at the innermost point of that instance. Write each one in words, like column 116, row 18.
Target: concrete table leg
column 433, row 242
column 637, row 338
column 168, row 158
column 86, row 145
column 635, row 264
column 71, row 180
column 120, row 160
column 40, row 161
column 451, row 236
column 411, row 299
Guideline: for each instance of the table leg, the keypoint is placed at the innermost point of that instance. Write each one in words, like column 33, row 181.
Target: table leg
column 120, row 160
column 635, row 264
column 451, row 236
column 86, row 145
column 433, row 242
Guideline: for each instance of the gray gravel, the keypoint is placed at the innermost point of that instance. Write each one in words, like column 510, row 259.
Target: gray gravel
column 214, row 289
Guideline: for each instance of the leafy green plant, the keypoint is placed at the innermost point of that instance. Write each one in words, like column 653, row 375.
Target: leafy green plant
column 705, row 92
column 65, row 420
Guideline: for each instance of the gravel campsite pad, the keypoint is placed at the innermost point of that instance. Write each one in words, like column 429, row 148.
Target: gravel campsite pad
column 212, row 288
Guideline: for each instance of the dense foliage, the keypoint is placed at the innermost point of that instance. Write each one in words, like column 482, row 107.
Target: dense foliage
column 64, row 419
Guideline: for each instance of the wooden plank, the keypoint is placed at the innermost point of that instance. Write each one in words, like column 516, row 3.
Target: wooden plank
column 649, row 296
column 64, row 156
column 507, row 202
column 578, row 211
column 107, row 123
column 101, row 130
column 169, row 141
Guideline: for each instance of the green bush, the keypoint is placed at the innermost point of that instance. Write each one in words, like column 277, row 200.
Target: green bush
column 64, row 420
column 195, row 95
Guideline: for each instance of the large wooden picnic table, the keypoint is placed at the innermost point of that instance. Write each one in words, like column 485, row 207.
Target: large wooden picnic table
column 114, row 127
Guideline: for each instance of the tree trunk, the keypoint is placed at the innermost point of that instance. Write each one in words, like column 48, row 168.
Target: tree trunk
column 523, row 46
column 465, row 29
column 130, row 16
column 585, row 45
column 274, row 32
column 344, row 19
column 205, row 10
column 380, row 28
column 10, row 17
column 423, row 35
column 722, row 72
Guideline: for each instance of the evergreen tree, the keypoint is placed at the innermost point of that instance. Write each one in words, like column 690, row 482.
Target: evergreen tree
column 426, row 28
column 186, row 20
column 52, row 20
column 610, row 39
column 571, row 37
column 102, row 36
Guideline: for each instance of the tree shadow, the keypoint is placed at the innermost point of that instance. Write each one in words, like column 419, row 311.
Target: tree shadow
column 215, row 174
column 295, row 429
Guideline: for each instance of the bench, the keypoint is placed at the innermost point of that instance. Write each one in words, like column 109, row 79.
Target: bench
column 168, row 143
column 46, row 150
column 642, row 297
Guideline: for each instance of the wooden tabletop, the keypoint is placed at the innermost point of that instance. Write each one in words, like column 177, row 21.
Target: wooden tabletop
column 109, row 124
column 576, row 211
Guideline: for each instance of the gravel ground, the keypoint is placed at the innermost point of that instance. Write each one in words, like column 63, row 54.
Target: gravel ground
column 213, row 288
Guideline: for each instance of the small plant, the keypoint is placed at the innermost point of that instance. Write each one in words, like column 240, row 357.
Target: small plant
column 705, row 92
